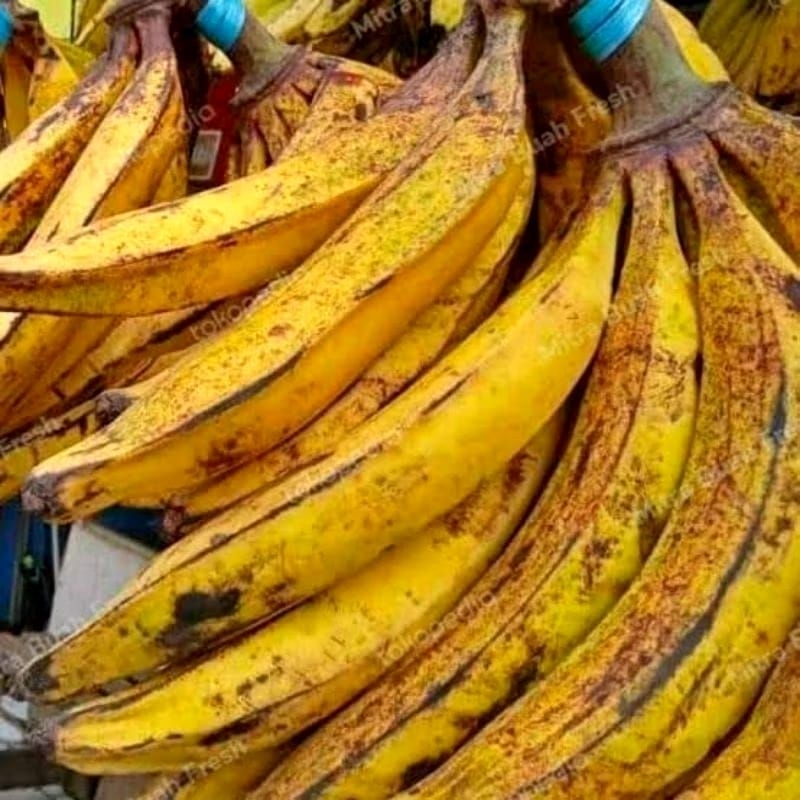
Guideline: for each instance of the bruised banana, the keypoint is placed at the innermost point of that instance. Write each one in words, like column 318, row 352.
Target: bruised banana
column 460, row 309
column 316, row 334
column 120, row 169
column 228, row 778
column 761, row 762
column 582, row 546
column 34, row 167
column 392, row 476
column 179, row 254
column 15, row 78
column 269, row 686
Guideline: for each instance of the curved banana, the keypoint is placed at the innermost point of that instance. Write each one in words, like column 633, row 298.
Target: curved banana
column 120, row 169
column 264, row 689
column 460, row 309
column 228, row 778
column 761, row 763
column 179, row 254
column 396, row 473
column 681, row 658
column 34, row 167
column 22, row 450
column 580, row 549
column 758, row 150
column 313, row 336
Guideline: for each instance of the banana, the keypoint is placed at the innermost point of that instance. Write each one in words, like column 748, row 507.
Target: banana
column 395, row 474
column 178, row 255
column 56, row 74
column 760, row 46
column 21, row 450
column 460, row 309
column 308, row 340
column 120, row 169
column 16, row 75
column 758, row 155
column 271, row 685
column 228, row 778
column 761, row 762
column 34, row 167
column 580, row 549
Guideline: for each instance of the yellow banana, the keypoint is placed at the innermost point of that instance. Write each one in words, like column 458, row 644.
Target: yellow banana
column 758, row 150
column 15, row 74
column 761, row 763
column 227, row 777
column 20, row 451
column 120, row 169
column 394, row 475
column 453, row 315
column 266, row 688
column 56, row 75
column 582, row 546
column 314, row 335
column 34, row 167
column 179, row 254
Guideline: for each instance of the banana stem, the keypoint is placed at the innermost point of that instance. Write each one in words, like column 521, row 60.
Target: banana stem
column 650, row 76
column 259, row 57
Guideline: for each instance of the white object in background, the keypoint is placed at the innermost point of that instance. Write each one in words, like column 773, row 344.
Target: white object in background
column 97, row 564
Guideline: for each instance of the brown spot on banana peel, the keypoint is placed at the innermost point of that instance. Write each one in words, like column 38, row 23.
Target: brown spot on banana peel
column 195, row 608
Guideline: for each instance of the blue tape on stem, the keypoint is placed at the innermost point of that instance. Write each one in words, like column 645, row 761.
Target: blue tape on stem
column 6, row 27
column 616, row 30
column 222, row 22
column 591, row 15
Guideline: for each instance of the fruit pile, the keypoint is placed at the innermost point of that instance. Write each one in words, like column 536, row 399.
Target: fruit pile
column 466, row 402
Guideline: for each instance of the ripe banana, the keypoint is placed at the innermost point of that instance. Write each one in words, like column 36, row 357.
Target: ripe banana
column 761, row 763
column 15, row 75
column 395, row 474
column 312, row 337
column 56, row 74
column 34, row 167
column 179, row 255
column 580, row 549
column 224, row 778
column 460, row 309
column 759, row 42
column 22, row 450
column 271, row 685
column 120, row 169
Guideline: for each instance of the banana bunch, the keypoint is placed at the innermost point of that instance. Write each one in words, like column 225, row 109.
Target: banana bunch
column 389, row 577
column 759, row 42
column 629, row 704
